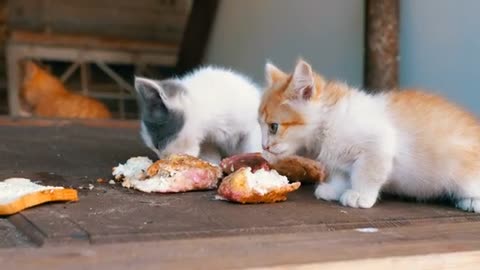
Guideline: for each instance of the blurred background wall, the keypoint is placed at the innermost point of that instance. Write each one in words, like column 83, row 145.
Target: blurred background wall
column 329, row 34
column 440, row 48
column 439, row 41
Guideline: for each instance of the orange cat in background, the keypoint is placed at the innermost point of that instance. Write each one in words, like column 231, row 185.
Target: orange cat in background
column 409, row 143
column 48, row 97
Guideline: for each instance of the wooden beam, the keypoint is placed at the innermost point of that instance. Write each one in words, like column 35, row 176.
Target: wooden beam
column 196, row 34
column 439, row 247
column 381, row 56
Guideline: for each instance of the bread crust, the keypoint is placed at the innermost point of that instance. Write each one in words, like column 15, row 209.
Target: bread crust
column 234, row 188
column 36, row 198
column 253, row 160
column 176, row 173
column 297, row 168
column 180, row 162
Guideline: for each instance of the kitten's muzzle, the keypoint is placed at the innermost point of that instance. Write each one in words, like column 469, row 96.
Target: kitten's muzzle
column 269, row 150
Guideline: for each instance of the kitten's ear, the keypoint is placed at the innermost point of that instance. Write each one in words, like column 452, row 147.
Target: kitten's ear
column 303, row 81
column 273, row 74
column 30, row 69
column 151, row 97
column 149, row 90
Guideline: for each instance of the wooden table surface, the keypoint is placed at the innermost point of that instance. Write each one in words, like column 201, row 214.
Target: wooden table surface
column 113, row 227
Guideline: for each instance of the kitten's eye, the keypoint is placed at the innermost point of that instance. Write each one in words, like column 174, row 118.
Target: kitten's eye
column 273, row 128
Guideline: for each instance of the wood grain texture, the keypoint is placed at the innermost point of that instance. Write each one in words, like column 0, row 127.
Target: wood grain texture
column 91, row 41
column 10, row 236
column 456, row 245
column 142, row 19
column 48, row 122
column 75, row 154
column 47, row 226
column 37, row 198
column 113, row 227
column 452, row 261
column 382, row 44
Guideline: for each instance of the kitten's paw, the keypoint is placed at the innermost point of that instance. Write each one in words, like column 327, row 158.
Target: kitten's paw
column 326, row 192
column 355, row 199
column 469, row 204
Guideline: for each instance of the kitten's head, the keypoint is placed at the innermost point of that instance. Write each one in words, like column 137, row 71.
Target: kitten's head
column 162, row 117
column 38, row 83
column 284, row 112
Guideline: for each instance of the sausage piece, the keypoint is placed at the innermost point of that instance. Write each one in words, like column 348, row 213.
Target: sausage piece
column 253, row 160
column 297, row 168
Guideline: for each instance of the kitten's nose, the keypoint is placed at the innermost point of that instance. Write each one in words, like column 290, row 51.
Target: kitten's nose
column 265, row 147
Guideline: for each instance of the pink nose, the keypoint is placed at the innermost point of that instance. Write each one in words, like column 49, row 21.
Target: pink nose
column 266, row 147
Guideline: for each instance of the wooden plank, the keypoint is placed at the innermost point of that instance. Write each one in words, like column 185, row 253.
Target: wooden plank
column 90, row 41
column 13, row 75
column 76, row 155
column 146, row 20
column 28, row 229
column 442, row 261
column 196, row 34
column 69, row 71
column 174, row 6
column 106, row 50
column 48, row 227
column 56, row 123
column 91, row 55
column 417, row 247
column 152, row 231
column 117, row 78
column 112, row 96
column 11, row 237
column 19, row 9
column 382, row 44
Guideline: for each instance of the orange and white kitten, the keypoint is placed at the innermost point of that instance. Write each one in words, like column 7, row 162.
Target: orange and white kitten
column 403, row 142
column 48, row 97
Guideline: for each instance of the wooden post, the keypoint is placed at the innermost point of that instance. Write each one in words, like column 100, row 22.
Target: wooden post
column 196, row 34
column 14, row 72
column 381, row 56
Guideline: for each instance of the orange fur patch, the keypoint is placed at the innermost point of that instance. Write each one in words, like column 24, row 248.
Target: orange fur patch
column 274, row 108
column 458, row 134
column 333, row 92
column 49, row 98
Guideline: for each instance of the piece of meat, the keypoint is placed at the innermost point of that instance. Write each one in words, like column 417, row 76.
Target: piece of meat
column 253, row 160
column 176, row 173
column 262, row 186
column 301, row 169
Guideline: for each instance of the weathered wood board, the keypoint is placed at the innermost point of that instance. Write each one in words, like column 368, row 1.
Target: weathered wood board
column 184, row 229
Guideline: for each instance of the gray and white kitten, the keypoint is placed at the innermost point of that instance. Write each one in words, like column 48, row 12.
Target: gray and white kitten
column 210, row 113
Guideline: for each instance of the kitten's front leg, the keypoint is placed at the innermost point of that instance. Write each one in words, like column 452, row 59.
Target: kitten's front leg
column 183, row 146
column 333, row 188
column 252, row 142
column 192, row 150
column 209, row 152
column 370, row 172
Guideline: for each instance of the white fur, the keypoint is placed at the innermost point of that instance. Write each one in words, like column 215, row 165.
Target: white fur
column 221, row 107
column 366, row 149
column 358, row 144
column 367, row 152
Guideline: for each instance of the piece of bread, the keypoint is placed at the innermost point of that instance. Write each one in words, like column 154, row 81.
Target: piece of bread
column 175, row 173
column 253, row 160
column 295, row 168
column 301, row 169
column 17, row 194
column 134, row 168
column 262, row 186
